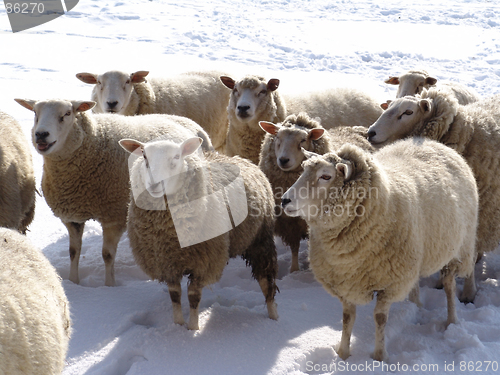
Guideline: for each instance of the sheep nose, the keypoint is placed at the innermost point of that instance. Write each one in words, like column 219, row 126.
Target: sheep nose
column 371, row 134
column 111, row 105
column 284, row 161
column 40, row 136
column 285, row 201
column 243, row 108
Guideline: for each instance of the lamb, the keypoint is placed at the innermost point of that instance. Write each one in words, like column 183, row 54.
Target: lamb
column 35, row 325
column 178, row 221
column 253, row 100
column 473, row 131
column 17, row 179
column 196, row 95
column 414, row 81
column 281, row 158
column 378, row 223
column 85, row 170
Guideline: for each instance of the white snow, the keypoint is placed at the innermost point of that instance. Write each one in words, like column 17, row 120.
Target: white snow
column 308, row 45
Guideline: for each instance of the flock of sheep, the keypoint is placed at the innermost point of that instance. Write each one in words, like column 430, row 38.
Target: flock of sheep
column 385, row 194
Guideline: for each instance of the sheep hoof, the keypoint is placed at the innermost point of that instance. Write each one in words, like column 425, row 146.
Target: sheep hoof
column 294, row 267
column 193, row 324
column 466, row 299
column 379, row 355
column 272, row 310
column 341, row 352
column 74, row 279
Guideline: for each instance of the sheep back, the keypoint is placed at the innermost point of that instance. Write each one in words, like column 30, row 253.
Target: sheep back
column 199, row 96
column 34, row 312
column 336, row 107
column 17, row 187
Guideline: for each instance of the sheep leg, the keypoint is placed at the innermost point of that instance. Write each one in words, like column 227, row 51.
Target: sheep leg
column 110, row 237
column 75, row 232
column 348, row 318
column 194, row 297
column 380, row 315
column 470, row 290
column 450, row 290
column 295, row 257
column 268, row 289
column 175, row 291
column 415, row 295
column 262, row 257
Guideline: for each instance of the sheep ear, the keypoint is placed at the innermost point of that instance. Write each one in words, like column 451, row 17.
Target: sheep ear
column 392, row 81
column 345, row 169
column 269, row 127
column 89, row 78
column 315, row 134
column 308, row 154
column 130, row 145
column 228, row 82
column 138, row 76
column 273, row 84
column 190, row 145
column 430, row 81
column 26, row 103
column 425, row 104
column 385, row 105
column 82, row 106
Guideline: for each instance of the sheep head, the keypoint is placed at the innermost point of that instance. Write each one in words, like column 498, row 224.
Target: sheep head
column 113, row 89
column 160, row 164
column 54, row 121
column 250, row 96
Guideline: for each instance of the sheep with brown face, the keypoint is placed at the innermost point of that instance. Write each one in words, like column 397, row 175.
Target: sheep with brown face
column 253, row 99
column 378, row 222
column 281, row 160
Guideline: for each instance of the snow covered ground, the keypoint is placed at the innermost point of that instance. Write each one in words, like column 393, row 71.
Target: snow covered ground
column 308, row 45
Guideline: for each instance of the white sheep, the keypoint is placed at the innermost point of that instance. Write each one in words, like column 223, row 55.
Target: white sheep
column 281, row 158
column 472, row 130
column 85, row 170
column 414, row 81
column 17, row 179
column 35, row 325
column 189, row 215
column 379, row 222
column 253, row 100
column 199, row 96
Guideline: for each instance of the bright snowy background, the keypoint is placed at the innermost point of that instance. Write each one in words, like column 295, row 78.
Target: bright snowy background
column 308, row 45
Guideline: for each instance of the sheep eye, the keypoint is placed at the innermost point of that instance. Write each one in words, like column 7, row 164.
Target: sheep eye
column 177, row 157
column 408, row 112
column 302, row 141
column 99, row 82
column 325, row 177
column 127, row 82
column 68, row 113
column 263, row 92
